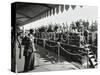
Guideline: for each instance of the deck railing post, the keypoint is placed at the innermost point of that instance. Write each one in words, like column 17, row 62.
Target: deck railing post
column 58, row 52
column 36, row 40
column 44, row 42
column 87, row 59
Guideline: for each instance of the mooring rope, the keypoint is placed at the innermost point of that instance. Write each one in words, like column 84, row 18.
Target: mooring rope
column 72, row 53
column 50, row 45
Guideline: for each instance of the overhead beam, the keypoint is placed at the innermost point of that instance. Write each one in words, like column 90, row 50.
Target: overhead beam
column 45, row 5
column 23, row 14
column 22, row 17
column 19, row 21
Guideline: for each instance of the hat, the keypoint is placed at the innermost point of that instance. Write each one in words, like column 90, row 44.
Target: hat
column 31, row 30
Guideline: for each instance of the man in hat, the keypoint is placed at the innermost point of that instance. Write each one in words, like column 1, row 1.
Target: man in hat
column 29, row 48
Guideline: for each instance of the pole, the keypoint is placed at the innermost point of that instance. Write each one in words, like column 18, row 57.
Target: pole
column 58, row 52
column 36, row 41
column 88, row 37
column 68, row 37
column 44, row 43
column 54, row 35
column 87, row 58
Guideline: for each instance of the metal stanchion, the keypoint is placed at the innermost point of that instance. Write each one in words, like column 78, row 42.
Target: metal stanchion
column 38, row 58
column 58, row 52
column 68, row 37
column 54, row 36
column 36, row 40
column 44, row 42
column 87, row 59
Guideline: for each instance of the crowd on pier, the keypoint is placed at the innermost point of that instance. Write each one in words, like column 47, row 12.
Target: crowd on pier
column 79, row 32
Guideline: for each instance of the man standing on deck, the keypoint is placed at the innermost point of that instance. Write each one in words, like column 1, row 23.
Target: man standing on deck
column 29, row 48
column 86, row 35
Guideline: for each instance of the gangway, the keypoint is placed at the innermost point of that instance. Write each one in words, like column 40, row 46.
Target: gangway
column 92, row 59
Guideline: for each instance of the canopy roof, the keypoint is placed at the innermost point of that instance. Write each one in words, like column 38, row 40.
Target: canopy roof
column 28, row 12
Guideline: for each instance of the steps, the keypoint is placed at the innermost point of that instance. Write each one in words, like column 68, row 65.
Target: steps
column 92, row 59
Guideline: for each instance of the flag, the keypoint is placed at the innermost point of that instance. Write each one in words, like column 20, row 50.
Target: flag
column 81, row 6
column 50, row 12
column 66, row 7
column 53, row 11
column 47, row 14
column 62, row 8
column 43, row 15
column 73, row 6
column 57, row 9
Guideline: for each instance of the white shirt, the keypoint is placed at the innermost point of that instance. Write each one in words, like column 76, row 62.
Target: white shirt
column 32, row 39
